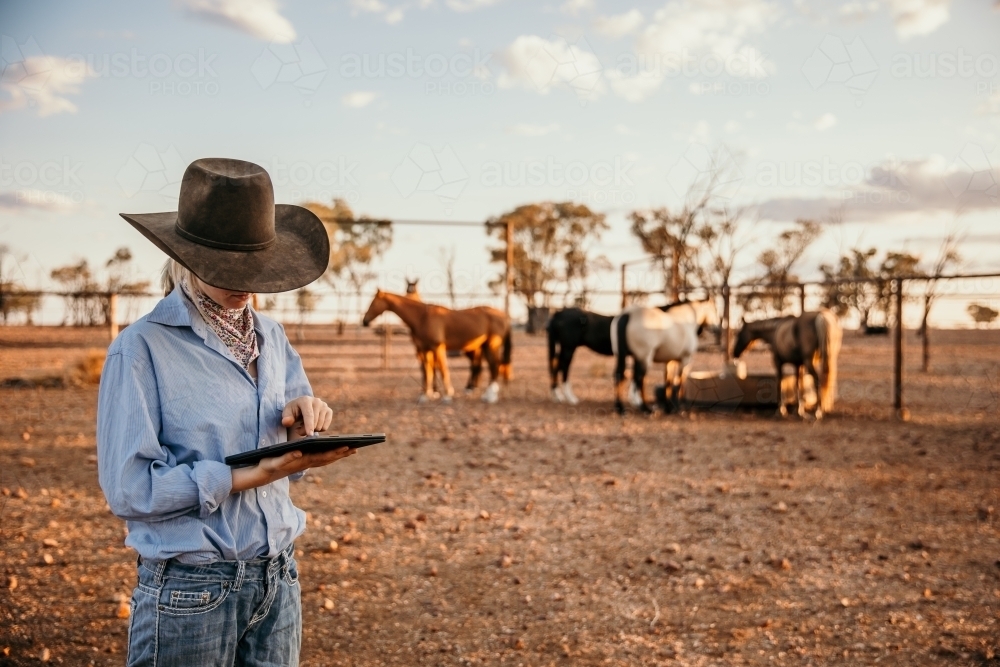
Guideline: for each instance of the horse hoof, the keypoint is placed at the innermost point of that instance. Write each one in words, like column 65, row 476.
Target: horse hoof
column 573, row 400
column 423, row 398
column 446, row 399
column 645, row 409
column 557, row 395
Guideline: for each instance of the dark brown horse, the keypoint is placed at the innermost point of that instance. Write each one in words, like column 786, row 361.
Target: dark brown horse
column 436, row 329
column 810, row 341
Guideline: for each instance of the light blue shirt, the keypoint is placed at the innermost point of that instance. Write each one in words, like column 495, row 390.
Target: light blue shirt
column 173, row 404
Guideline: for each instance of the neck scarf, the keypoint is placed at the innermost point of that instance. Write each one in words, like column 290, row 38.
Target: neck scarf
column 233, row 327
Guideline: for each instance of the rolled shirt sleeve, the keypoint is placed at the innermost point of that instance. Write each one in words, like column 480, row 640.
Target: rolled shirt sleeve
column 142, row 479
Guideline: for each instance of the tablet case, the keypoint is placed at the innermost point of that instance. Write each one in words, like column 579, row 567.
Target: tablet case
column 311, row 445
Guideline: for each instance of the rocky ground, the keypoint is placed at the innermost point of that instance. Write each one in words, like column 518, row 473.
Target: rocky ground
column 529, row 533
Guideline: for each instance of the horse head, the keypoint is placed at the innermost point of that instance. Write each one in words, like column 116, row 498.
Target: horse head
column 743, row 339
column 379, row 305
column 412, row 290
column 707, row 316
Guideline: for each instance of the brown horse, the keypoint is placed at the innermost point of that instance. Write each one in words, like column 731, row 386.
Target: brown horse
column 436, row 329
column 810, row 341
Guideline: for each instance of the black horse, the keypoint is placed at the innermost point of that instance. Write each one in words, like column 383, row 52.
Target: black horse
column 567, row 330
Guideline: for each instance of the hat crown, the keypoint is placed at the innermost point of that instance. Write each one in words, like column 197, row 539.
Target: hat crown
column 227, row 204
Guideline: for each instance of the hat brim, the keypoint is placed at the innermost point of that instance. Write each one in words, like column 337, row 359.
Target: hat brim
column 298, row 257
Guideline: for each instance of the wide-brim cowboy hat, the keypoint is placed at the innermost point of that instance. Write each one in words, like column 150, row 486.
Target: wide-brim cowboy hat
column 229, row 232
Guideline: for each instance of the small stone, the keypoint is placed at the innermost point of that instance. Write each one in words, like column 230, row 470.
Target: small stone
column 92, row 459
column 672, row 566
column 347, row 538
column 11, row 582
column 49, row 542
column 55, row 503
column 432, row 571
column 21, row 493
column 328, row 604
column 362, row 557
column 333, row 546
column 48, row 559
column 422, row 517
column 519, row 644
column 785, row 564
column 26, row 436
column 845, row 602
column 781, row 508
column 506, row 561
column 927, row 593
column 651, row 558
column 46, row 653
column 674, row 548
column 699, row 583
column 124, row 609
column 27, row 461
column 5, row 491
column 484, row 514
column 410, row 525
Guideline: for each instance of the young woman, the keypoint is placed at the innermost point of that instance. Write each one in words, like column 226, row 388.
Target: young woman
column 201, row 377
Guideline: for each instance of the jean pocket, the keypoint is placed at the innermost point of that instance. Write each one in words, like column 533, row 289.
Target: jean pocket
column 181, row 597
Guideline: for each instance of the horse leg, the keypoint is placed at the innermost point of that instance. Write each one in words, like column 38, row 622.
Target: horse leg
column 475, row 369
column 810, row 368
column 639, row 371
column 619, row 383
column 684, row 368
column 565, row 359
column 782, row 408
column 493, row 358
column 555, row 366
column 427, row 359
column 441, row 355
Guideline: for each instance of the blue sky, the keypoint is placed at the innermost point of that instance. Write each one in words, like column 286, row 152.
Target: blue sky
column 887, row 112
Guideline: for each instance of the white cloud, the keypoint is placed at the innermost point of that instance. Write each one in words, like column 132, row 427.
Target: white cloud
column 542, row 64
column 358, row 99
column 469, row 5
column 732, row 127
column 529, row 130
column 574, row 7
column 618, row 25
column 391, row 15
column 918, row 17
column 259, row 18
column 623, row 129
column 634, row 88
column 717, row 26
column 825, row 122
column 683, row 35
column 32, row 79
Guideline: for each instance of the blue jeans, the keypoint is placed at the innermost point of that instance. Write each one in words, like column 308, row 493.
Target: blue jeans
column 223, row 614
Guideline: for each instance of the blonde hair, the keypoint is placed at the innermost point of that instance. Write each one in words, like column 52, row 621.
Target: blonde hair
column 172, row 274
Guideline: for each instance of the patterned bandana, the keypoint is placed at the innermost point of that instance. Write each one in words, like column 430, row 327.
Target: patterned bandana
column 234, row 327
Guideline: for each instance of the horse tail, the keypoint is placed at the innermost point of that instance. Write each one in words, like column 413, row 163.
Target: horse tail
column 619, row 344
column 506, row 371
column 828, row 335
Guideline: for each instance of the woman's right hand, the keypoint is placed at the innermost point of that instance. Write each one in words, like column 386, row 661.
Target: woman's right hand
column 278, row 467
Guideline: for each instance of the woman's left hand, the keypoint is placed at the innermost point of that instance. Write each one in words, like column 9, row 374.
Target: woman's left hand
column 306, row 415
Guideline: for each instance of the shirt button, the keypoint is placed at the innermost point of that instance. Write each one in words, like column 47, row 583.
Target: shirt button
column 264, row 494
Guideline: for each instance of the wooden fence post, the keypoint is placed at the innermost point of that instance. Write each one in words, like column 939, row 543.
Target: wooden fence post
column 727, row 331
column 386, row 345
column 802, row 299
column 897, row 380
column 113, row 315
column 509, row 277
column 624, row 298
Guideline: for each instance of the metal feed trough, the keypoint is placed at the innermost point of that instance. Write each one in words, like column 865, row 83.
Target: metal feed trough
column 725, row 392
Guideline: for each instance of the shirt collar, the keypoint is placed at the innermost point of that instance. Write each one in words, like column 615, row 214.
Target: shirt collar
column 175, row 310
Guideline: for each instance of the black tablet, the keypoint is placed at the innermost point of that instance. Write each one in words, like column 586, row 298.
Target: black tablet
column 311, row 445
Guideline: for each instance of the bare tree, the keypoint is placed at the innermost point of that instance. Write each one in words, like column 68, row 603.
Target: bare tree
column 446, row 257
column 948, row 257
column 14, row 297
column 670, row 235
column 777, row 263
column 722, row 236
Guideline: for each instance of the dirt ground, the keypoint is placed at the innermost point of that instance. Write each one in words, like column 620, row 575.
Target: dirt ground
column 530, row 533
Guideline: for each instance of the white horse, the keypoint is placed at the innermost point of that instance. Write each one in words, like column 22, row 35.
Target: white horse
column 668, row 334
